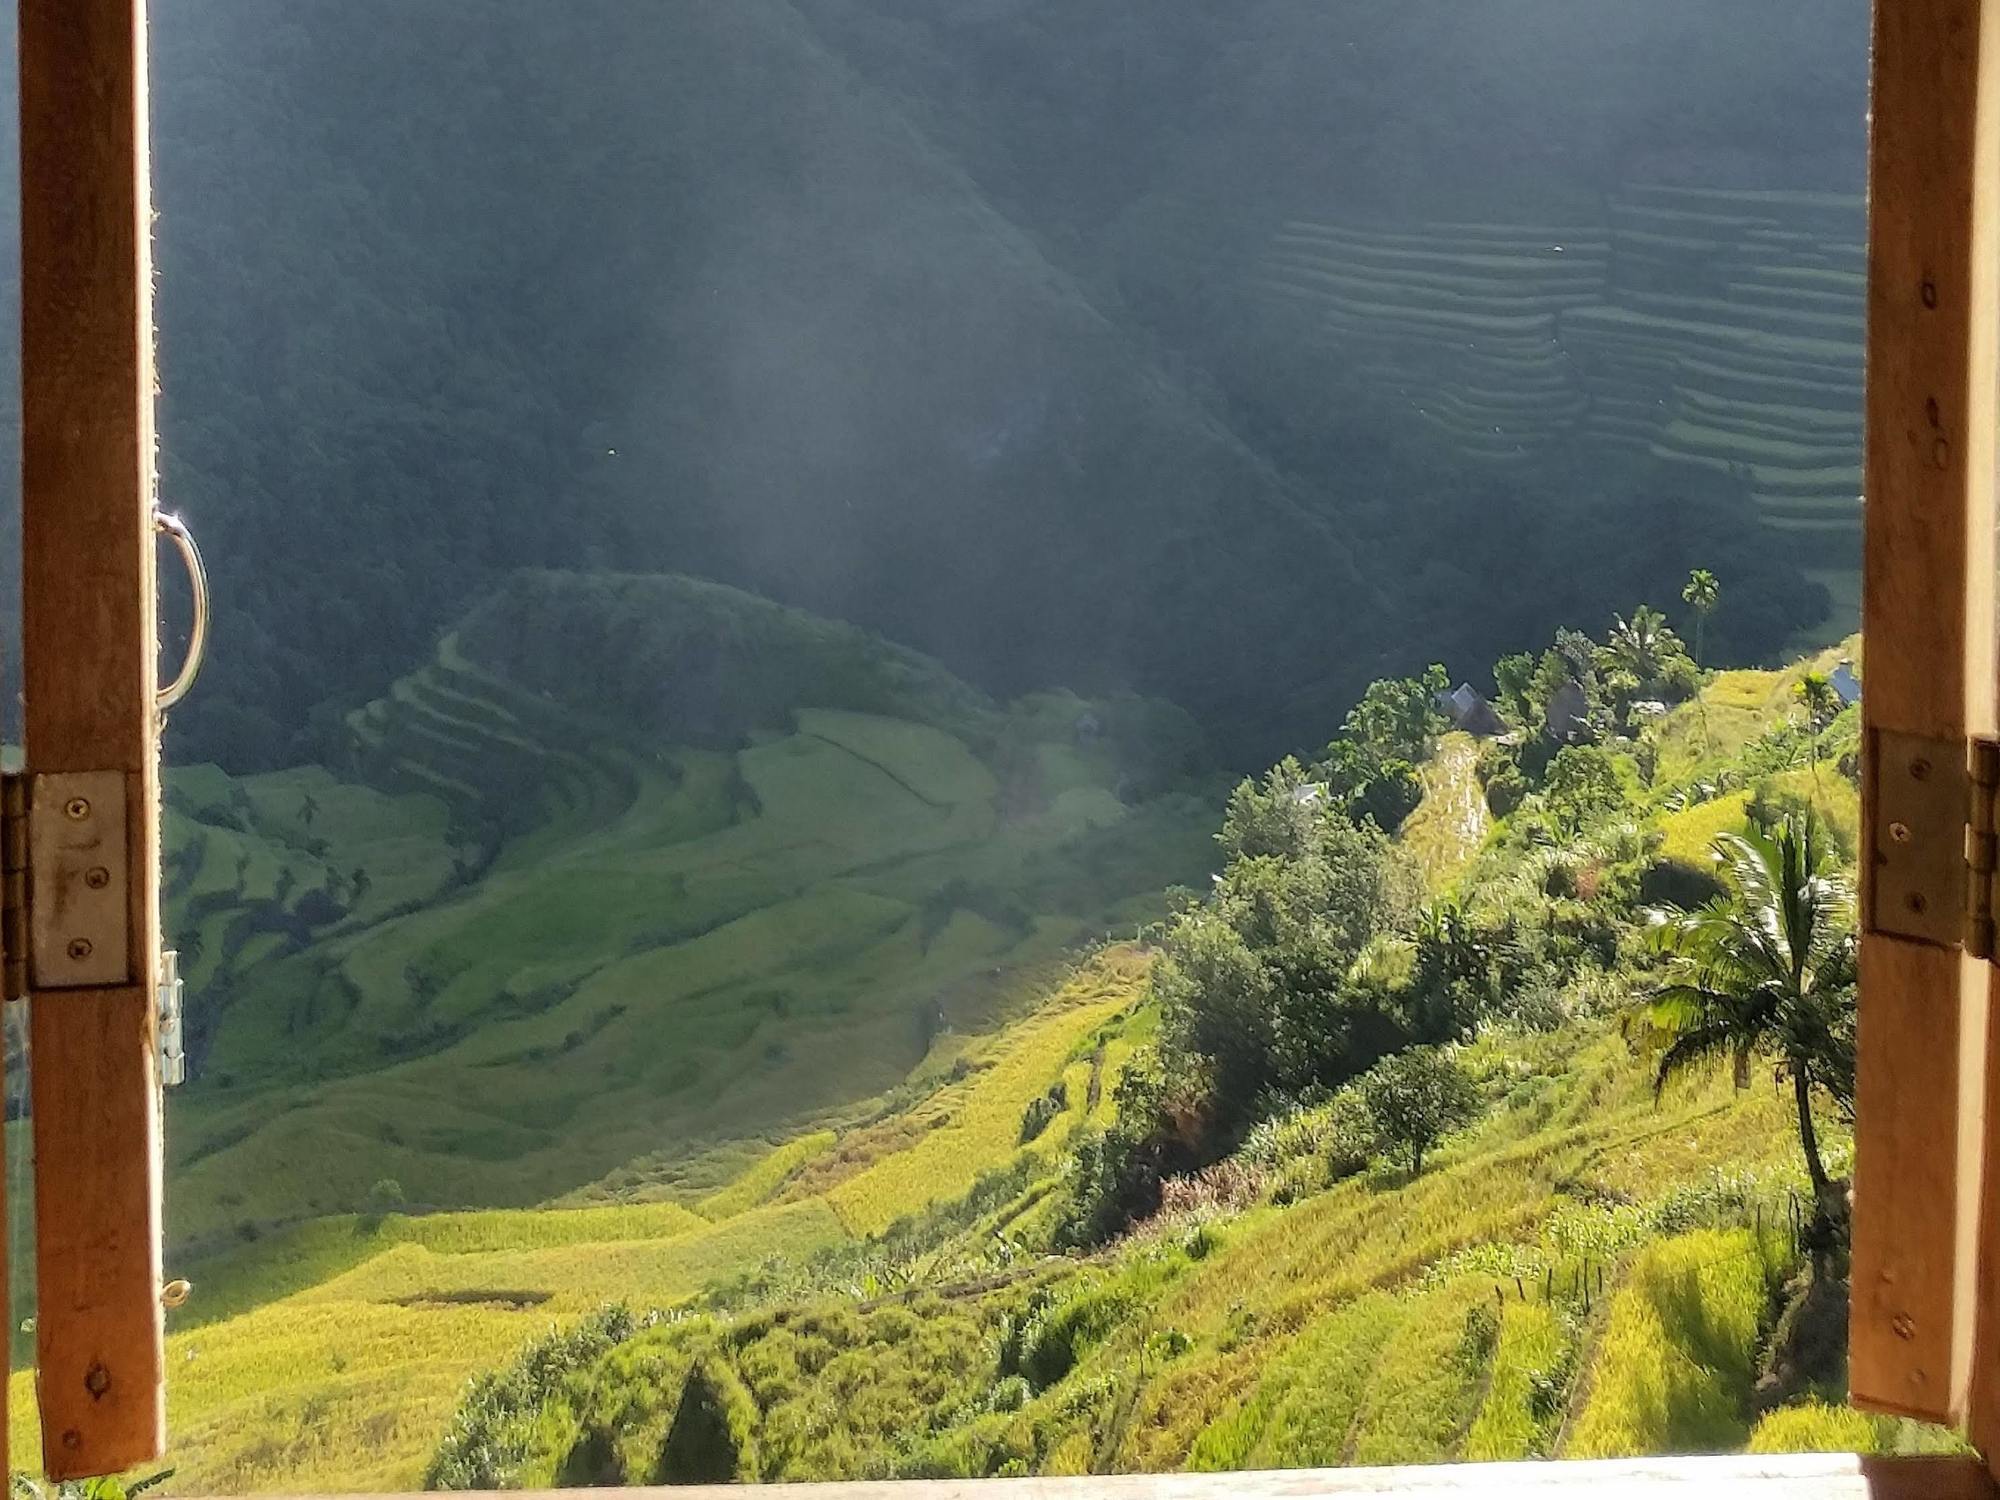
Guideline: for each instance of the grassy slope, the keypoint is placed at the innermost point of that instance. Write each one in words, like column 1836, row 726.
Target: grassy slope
column 1451, row 822
column 1343, row 1328
column 650, row 940
column 1546, row 1288
column 330, row 1354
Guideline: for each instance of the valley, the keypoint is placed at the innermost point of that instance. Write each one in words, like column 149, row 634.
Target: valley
column 828, row 835
column 773, row 1122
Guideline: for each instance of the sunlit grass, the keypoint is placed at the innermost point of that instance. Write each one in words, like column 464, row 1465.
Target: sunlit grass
column 765, row 1178
column 975, row 1124
column 1527, row 1384
column 1451, row 822
column 1673, row 1370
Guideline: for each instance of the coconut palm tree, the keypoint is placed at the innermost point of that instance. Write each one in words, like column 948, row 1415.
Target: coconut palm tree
column 1768, row 966
column 1701, row 595
column 1640, row 649
column 1822, row 702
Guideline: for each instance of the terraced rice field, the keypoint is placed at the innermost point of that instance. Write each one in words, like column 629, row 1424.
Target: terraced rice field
column 1718, row 329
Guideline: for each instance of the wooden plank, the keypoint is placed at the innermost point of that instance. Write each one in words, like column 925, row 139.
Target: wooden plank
column 1904, row 1330
column 1785, row 1476
column 1928, row 614
column 1983, row 1423
column 88, row 675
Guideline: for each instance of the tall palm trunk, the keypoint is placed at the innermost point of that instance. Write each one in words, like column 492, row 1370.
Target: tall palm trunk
column 1809, row 1138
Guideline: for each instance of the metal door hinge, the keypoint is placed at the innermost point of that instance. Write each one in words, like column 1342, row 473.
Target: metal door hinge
column 14, row 883
column 79, row 908
column 1936, row 840
column 65, row 915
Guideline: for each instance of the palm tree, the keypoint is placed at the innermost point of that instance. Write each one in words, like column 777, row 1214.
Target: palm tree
column 1701, row 595
column 1816, row 691
column 1642, row 647
column 1768, row 966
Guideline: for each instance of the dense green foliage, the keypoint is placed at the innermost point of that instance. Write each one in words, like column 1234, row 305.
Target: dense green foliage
column 1415, row 1097
column 493, row 1431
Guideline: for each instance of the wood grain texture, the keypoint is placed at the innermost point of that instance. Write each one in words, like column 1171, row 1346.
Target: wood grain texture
column 1928, row 613
column 1827, row 1476
column 1983, row 1424
column 1903, row 1326
column 1920, row 419
column 88, row 678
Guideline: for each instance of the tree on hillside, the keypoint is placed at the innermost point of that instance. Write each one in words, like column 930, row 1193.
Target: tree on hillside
column 1370, row 768
column 1701, row 595
column 1581, row 787
column 1514, row 682
column 1253, row 981
column 1277, row 818
column 1416, row 1097
column 1768, row 966
column 1822, row 704
column 1398, row 717
column 1641, row 654
column 1639, row 646
column 1452, row 975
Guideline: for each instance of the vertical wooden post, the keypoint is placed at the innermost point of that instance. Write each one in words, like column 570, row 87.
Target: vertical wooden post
column 1928, row 612
column 88, row 674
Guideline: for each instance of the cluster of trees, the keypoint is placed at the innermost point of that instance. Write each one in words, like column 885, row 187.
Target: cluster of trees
column 1317, row 968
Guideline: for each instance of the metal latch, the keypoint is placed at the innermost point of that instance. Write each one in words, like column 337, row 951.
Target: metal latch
column 173, row 1047
column 1936, row 840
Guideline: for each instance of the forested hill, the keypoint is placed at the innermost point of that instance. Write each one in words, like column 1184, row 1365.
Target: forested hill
column 937, row 318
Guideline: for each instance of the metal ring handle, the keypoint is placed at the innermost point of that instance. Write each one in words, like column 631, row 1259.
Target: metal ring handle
column 172, row 526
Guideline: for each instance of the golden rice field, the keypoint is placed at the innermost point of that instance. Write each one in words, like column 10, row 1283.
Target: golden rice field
column 330, row 1355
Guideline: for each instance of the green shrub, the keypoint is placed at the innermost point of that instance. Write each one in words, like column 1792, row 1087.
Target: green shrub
column 1043, row 1111
column 1506, row 789
column 493, row 1431
column 1059, row 1333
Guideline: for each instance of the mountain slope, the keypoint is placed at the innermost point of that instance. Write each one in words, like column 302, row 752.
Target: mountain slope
column 736, row 876
column 1512, row 1300
column 932, row 318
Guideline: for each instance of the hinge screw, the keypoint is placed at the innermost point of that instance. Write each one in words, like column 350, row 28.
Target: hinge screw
column 1920, row 769
column 1916, row 902
column 1899, row 832
column 97, row 1381
column 1905, row 1326
column 79, row 949
column 97, row 877
column 77, row 809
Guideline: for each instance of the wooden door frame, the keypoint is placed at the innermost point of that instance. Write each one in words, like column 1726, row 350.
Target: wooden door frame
column 1927, row 1244
column 88, row 673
